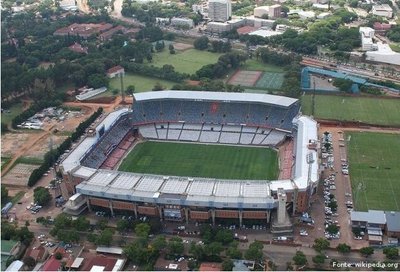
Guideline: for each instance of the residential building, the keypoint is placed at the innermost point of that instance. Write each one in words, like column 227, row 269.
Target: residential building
column 382, row 10
column 274, row 11
column 115, row 71
column 183, row 22
column 381, row 28
column 218, row 27
column 260, row 11
column 219, row 10
column 108, row 34
column 78, row 48
column 393, row 224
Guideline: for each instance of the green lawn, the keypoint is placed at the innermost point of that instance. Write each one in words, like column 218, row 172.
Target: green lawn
column 255, row 65
column 198, row 160
column 14, row 111
column 372, row 110
column 374, row 170
column 188, row 61
column 141, row 83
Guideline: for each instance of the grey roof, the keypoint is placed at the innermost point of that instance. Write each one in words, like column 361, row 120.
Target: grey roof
column 371, row 217
column 393, row 221
column 217, row 96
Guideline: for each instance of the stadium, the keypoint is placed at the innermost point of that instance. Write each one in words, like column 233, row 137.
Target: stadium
column 255, row 121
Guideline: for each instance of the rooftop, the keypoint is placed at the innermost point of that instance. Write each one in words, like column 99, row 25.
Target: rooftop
column 393, row 221
column 210, row 267
column 371, row 217
column 217, row 96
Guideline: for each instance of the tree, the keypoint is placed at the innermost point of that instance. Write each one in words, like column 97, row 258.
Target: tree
column 4, row 193
column 97, row 81
column 58, row 255
column 105, row 237
column 332, row 229
column 122, row 225
column 102, row 224
column 227, row 265
column 158, row 87
column 175, row 246
column 130, row 89
column 391, row 253
column 254, row 252
column 321, row 244
column 343, row 248
column 159, row 243
column 319, row 259
column 42, row 196
column 344, row 85
column 224, row 236
column 299, row 259
column 213, row 249
column 234, row 253
column 81, row 224
column 159, row 46
column 201, row 43
column 366, row 251
column 142, row 230
column 29, row 261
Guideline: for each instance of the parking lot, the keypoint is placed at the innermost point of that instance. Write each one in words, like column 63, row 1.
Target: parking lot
column 329, row 214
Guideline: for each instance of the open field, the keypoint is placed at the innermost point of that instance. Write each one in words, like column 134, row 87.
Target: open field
column 374, row 170
column 188, row 61
column 371, row 110
column 253, row 64
column 141, row 83
column 198, row 160
column 6, row 117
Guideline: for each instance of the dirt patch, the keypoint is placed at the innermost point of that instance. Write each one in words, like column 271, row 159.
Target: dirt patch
column 41, row 147
column 19, row 174
column 182, row 46
column 101, row 100
column 12, row 142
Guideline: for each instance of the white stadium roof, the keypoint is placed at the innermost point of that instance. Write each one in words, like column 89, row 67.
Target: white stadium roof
column 218, row 96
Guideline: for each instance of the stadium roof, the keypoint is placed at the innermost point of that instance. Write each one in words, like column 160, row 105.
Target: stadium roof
column 73, row 159
column 218, row 96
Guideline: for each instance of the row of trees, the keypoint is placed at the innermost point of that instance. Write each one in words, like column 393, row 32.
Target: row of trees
column 224, row 64
column 52, row 156
column 203, row 43
column 166, row 72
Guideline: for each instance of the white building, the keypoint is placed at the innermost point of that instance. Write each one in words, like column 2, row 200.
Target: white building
column 273, row 11
column 260, row 11
column 219, row 10
column 304, row 15
column 382, row 10
column 367, row 34
column 185, row 22
column 265, row 32
column 218, row 27
column 384, row 54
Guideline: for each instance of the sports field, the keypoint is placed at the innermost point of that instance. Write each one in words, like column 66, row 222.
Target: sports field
column 374, row 170
column 141, row 83
column 270, row 80
column 371, row 110
column 188, row 61
column 200, row 160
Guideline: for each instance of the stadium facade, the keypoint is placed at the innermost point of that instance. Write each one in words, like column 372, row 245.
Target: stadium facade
column 217, row 118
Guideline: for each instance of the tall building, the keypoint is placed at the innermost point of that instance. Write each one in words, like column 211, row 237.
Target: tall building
column 219, row 10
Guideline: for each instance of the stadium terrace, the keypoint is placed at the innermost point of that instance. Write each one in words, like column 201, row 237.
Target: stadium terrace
column 197, row 117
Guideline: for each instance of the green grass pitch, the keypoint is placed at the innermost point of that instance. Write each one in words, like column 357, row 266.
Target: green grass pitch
column 374, row 170
column 201, row 160
column 371, row 110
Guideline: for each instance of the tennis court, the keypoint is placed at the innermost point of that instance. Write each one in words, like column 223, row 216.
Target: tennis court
column 270, row 81
column 245, row 78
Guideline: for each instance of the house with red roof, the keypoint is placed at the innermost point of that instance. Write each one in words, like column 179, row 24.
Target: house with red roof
column 115, row 71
